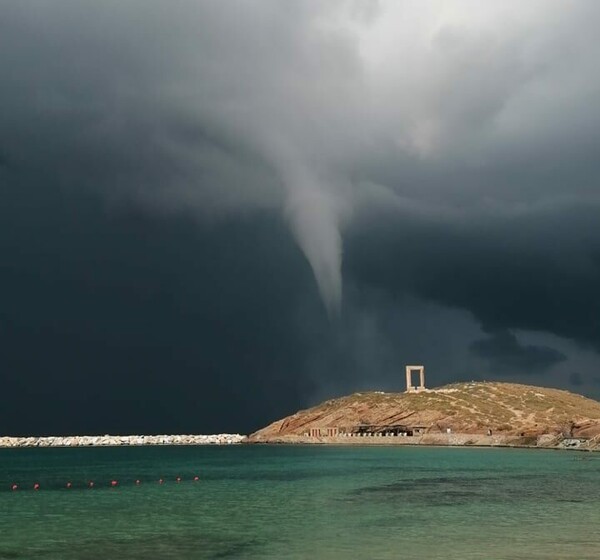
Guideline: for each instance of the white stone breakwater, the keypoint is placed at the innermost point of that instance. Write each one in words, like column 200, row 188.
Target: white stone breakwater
column 108, row 440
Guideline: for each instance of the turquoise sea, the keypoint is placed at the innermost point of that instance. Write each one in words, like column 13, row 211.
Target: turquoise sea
column 279, row 502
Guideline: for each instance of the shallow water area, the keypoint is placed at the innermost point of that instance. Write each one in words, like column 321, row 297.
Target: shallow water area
column 299, row 502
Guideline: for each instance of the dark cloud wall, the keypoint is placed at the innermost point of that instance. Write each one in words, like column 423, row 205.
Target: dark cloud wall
column 113, row 320
column 505, row 353
column 530, row 272
column 213, row 214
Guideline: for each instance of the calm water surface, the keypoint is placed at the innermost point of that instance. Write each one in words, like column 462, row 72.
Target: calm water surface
column 277, row 502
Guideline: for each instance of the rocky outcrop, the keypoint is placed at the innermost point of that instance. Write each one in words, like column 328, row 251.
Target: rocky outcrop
column 108, row 440
column 459, row 414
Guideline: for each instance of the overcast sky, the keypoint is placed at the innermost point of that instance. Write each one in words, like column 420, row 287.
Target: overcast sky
column 215, row 213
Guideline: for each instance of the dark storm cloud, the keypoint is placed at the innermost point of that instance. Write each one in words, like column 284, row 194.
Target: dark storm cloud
column 118, row 321
column 507, row 355
column 447, row 150
column 532, row 272
column 575, row 379
column 303, row 107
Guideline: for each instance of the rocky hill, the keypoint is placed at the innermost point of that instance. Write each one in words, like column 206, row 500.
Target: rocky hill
column 511, row 413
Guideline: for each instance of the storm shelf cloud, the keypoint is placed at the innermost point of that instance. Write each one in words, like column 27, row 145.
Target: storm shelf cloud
column 259, row 195
column 507, row 355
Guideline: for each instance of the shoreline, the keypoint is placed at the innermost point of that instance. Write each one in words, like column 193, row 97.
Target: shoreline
column 431, row 445
column 543, row 441
column 458, row 440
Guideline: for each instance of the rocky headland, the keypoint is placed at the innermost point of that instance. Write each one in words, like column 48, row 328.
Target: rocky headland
column 108, row 440
column 481, row 414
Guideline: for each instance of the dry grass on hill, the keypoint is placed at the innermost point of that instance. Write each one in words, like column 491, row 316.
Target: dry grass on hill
column 465, row 407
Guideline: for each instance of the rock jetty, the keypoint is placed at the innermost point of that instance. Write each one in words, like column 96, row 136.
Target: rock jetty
column 110, row 441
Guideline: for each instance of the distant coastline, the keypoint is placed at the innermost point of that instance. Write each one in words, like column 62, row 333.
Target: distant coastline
column 475, row 414
column 544, row 441
column 485, row 414
column 114, row 441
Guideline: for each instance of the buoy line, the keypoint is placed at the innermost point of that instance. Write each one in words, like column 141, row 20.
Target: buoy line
column 112, row 483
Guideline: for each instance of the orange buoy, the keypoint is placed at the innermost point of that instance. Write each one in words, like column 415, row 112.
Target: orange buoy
column 14, row 487
column 196, row 478
column 36, row 486
column 113, row 483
